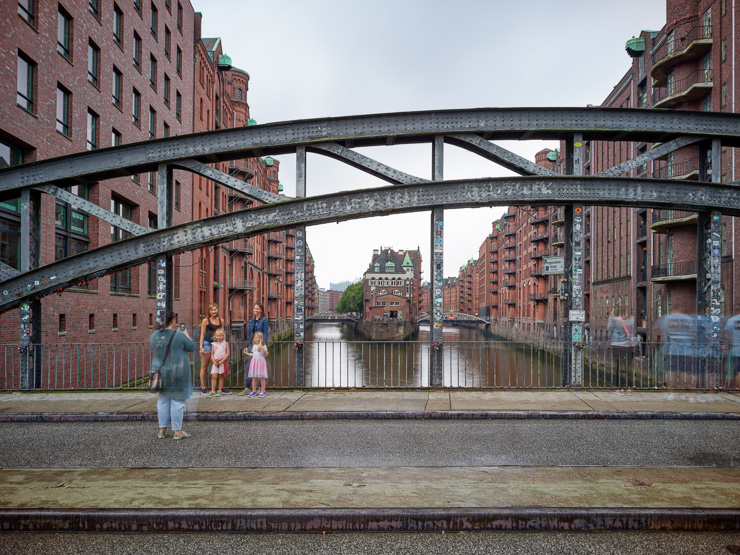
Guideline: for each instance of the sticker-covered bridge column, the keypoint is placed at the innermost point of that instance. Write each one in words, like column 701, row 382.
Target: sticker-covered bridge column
column 299, row 303
column 436, row 358
column 574, row 313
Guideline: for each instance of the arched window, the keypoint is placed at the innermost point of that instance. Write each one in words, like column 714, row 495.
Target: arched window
column 238, row 94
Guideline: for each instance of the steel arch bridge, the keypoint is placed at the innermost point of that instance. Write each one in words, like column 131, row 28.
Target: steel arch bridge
column 472, row 130
column 454, row 317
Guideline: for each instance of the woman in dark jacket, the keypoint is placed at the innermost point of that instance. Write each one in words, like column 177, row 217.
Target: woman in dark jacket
column 177, row 384
column 258, row 323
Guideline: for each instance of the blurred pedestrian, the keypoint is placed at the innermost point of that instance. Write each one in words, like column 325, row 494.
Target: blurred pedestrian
column 170, row 348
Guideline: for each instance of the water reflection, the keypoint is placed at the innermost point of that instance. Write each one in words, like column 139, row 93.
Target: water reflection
column 337, row 357
column 680, row 358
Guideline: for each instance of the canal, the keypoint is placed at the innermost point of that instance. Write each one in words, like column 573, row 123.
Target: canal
column 337, row 357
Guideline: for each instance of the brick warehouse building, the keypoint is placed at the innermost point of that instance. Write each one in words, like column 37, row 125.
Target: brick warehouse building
column 90, row 75
column 637, row 262
column 392, row 285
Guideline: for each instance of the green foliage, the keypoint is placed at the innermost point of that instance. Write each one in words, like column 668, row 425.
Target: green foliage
column 351, row 300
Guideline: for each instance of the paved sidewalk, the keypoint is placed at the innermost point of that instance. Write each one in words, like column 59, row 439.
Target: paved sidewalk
column 371, row 499
column 394, row 403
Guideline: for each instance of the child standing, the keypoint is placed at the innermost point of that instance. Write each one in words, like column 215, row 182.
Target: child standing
column 258, row 366
column 219, row 355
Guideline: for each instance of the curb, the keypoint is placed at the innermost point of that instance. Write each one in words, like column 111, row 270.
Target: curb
column 370, row 520
column 390, row 415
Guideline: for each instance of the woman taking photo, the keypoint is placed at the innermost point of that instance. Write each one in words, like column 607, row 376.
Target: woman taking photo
column 208, row 326
column 170, row 349
column 258, row 324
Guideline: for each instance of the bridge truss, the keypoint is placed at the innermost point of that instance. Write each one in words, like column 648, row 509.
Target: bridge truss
column 472, row 130
column 455, row 317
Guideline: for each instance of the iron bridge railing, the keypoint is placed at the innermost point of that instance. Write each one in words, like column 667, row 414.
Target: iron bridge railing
column 396, row 364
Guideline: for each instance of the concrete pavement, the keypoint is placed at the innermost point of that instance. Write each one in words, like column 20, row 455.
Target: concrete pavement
column 372, row 498
column 394, row 403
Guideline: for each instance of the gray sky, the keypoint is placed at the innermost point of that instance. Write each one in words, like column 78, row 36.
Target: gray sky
column 327, row 58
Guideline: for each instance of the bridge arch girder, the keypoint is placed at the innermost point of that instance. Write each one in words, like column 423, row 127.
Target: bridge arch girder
column 560, row 190
column 374, row 130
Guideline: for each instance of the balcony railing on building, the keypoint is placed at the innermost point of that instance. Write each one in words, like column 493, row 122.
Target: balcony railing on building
column 539, row 219
column 558, row 217
column 509, row 258
column 276, row 237
column 664, row 219
column 274, row 270
column 275, row 252
column 241, row 284
column 275, row 295
column 240, row 246
column 510, row 284
column 510, row 301
column 689, row 169
column 674, row 270
column 538, row 297
column 535, row 237
column 692, row 87
column 241, row 169
column 537, row 254
column 680, row 45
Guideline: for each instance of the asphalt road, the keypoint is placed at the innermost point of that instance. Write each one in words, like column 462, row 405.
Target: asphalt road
column 521, row 543
column 367, row 443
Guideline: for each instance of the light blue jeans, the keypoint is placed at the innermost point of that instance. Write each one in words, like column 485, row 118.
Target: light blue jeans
column 170, row 409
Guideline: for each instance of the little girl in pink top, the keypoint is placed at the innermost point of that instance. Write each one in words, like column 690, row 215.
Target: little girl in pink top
column 219, row 355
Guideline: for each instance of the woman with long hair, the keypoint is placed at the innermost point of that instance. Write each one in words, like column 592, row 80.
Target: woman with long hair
column 208, row 326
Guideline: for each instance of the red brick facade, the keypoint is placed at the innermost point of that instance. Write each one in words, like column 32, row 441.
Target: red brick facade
column 637, row 262
column 131, row 72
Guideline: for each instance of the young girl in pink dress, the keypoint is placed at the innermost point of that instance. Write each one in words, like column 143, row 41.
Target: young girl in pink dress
column 258, row 366
column 219, row 355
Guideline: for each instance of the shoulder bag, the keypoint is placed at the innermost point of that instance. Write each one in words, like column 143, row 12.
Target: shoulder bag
column 155, row 377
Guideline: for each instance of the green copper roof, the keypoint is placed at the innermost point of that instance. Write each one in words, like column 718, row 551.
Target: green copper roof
column 635, row 46
column 280, row 187
column 239, row 70
column 552, row 156
column 268, row 161
column 224, row 61
column 407, row 261
column 251, row 121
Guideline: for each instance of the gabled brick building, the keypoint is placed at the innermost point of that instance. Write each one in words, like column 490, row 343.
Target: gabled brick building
column 392, row 285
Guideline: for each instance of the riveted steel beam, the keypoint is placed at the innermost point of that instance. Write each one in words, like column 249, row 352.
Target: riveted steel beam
column 364, row 163
column 398, row 199
column 6, row 272
column 374, row 130
column 497, row 154
column 93, row 209
column 652, row 154
column 232, row 182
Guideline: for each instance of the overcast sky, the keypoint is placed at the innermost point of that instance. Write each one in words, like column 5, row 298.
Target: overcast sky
column 327, row 58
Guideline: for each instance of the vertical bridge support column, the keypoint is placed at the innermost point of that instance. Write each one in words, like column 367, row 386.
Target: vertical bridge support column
column 299, row 303
column 30, row 312
column 165, row 270
column 436, row 286
column 709, row 274
column 574, row 313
